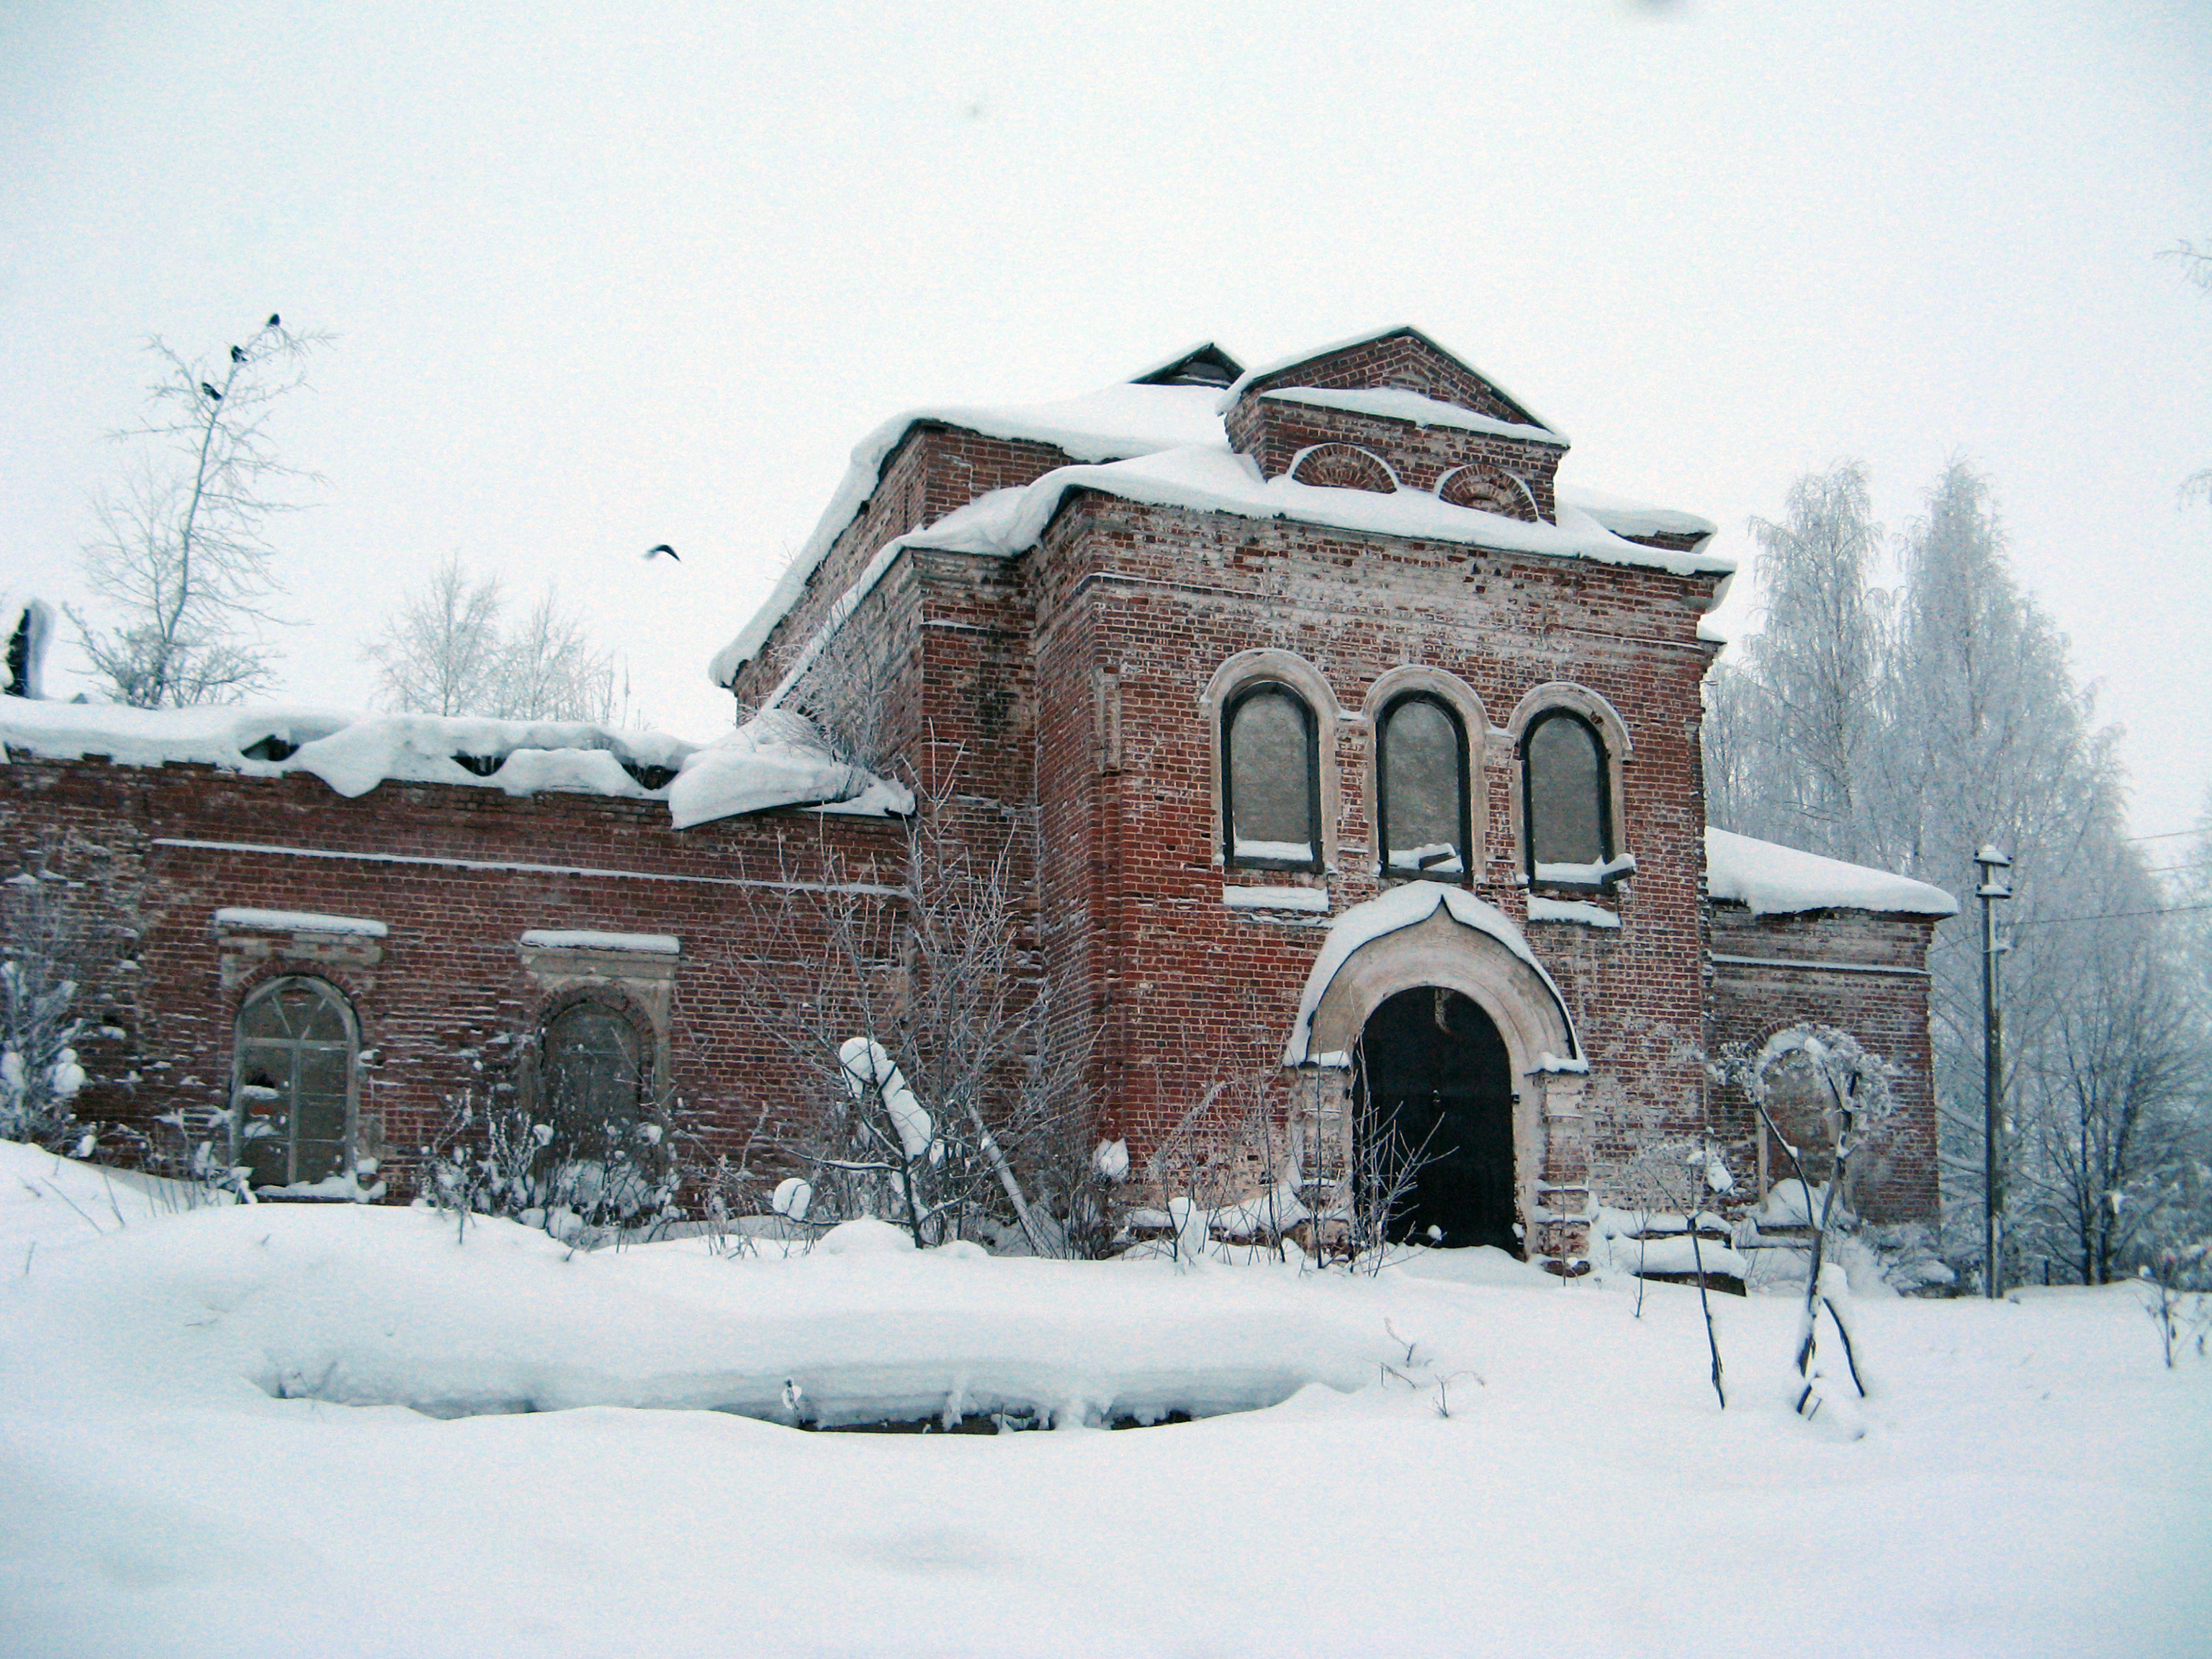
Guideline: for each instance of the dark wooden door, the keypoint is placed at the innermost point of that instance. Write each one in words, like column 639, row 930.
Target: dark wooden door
column 1435, row 1075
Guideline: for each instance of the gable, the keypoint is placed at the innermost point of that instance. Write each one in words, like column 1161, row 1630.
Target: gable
column 1398, row 360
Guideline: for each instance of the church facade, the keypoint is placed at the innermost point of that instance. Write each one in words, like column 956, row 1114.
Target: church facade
column 1351, row 764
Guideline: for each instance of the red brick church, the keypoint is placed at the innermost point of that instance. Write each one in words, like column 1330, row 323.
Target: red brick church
column 1343, row 752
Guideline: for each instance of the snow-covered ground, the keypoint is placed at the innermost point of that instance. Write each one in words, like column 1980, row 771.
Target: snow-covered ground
column 211, row 1442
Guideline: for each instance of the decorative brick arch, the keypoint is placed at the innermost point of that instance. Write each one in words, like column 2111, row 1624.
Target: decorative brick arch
column 1343, row 466
column 1488, row 489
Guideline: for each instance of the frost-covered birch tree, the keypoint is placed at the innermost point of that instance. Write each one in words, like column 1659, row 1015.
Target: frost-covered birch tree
column 446, row 651
column 1966, row 726
column 1799, row 722
column 183, row 563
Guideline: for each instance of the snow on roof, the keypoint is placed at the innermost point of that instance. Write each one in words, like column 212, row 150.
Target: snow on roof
column 1218, row 480
column 1166, row 444
column 353, row 753
column 1782, row 880
column 1395, row 403
column 775, row 759
column 1624, row 517
column 1400, row 908
column 1227, row 400
column 1108, row 424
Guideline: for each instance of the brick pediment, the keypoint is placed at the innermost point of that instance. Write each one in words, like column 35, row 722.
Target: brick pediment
column 1434, row 422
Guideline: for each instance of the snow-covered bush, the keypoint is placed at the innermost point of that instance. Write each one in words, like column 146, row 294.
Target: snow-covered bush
column 497, row 1157
column 43, row 964
column 1854, row 1085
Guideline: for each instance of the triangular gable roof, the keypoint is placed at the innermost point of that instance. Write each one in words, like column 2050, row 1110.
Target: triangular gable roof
column 1202, row 365
column 1419, row 365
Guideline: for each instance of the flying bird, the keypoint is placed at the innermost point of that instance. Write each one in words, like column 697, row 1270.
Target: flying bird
column 237, row 354
column 272, row 319
column 213, row 395
column 652, row 552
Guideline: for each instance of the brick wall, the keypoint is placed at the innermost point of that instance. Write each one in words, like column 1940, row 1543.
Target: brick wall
column 1870, row 980
column 457, row 875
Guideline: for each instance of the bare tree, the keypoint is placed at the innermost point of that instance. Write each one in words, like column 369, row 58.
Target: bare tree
column 441, row 654
column 182, row 554
column 45, row 960
column 942, row 1089
column 1801, row 757
column 445, row 653
column 547, row 669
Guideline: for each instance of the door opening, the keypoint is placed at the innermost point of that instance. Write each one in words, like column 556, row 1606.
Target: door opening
column 1434, row 1075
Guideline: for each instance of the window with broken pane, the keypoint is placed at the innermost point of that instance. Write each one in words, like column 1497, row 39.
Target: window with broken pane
column 1422, row 798
column 1271, row 800
column 296, row 1051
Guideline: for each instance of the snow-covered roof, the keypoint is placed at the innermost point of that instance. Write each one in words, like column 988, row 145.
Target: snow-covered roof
column 1624, row 517
column 1110, row 434
column 751, row 770
column 1395, row 403
column 1775, row 880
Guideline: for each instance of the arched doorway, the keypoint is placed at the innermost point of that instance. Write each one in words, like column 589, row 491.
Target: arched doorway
column 1435, row 1077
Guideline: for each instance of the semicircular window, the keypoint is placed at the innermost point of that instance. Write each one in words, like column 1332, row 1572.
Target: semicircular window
column 1566, row 805
column 594, row 1078
column 1271, row 777
column 1422, row 801
column 296, row 1050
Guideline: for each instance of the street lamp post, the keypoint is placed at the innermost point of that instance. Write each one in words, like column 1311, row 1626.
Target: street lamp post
column 1996, row 883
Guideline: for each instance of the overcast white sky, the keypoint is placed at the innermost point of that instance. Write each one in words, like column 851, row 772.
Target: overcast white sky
column 607, row 274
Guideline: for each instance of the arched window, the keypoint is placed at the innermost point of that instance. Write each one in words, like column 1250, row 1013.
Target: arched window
column 1270, row 779
column 1421, row 788
column 1566, row 800
column 594, row 1079
column 296, row 1047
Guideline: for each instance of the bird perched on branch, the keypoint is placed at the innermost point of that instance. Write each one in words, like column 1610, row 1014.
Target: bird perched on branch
column 237, row 354
column 213, row 395
column 272, row 319
column 652, row 553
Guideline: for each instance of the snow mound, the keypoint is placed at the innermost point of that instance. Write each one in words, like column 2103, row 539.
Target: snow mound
column 867, row 1237
column 1781, row 881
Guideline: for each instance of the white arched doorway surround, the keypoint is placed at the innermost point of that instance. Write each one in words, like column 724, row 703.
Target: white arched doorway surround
column 1426, row 934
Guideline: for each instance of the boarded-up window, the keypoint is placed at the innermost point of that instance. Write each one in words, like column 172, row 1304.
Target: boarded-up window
column 1566, row 808
column 1271, row 795
column 295, row 1056
column 594, row 1078
column 1422, row 798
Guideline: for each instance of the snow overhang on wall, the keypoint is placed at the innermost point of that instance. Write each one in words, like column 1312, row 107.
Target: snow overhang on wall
column 1771, row 881
column 1400, row 908
column 777, row 761
column 1166, row 446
